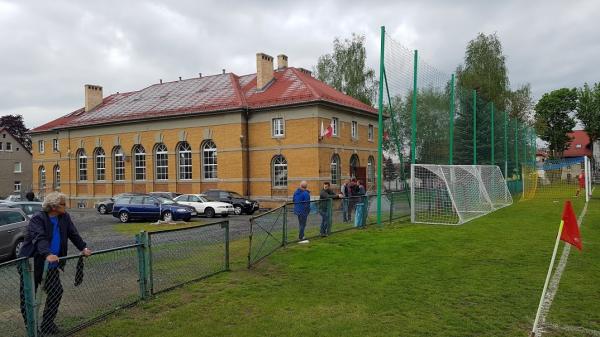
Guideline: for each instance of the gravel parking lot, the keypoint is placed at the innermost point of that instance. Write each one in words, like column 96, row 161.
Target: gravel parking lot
column 99, row 232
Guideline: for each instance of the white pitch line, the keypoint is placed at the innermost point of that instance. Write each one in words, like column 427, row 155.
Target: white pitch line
column 555, row 280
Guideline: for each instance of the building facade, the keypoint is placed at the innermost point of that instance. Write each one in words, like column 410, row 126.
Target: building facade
column 257, row 134
column 15, row 165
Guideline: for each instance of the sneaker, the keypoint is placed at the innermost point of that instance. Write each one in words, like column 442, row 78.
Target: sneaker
column 304, row 241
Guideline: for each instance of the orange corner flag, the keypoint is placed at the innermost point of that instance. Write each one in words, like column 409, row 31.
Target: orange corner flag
column 570, row 231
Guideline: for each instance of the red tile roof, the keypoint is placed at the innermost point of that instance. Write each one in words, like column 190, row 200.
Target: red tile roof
column 224, row 92
column 579, row 145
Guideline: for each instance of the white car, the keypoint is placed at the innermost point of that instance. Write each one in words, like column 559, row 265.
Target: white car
column 203, row 206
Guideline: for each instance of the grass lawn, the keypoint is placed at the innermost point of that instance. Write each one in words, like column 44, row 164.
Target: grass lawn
column 483, row 278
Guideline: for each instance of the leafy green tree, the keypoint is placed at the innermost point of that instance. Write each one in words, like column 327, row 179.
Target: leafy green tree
column 345, row 69
column 485, row 70
column 588, row 110
column 553, row 119
column 520, row 103
column 15, row 125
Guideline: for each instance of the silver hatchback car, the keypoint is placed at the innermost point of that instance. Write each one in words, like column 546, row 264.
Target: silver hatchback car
column 13, row 227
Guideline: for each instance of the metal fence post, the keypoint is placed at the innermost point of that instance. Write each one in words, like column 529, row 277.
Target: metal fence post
column 250, row 243
column 329, row 214
column 284, row 232
column 148, row 261
column 474, row 127
column 225, row 225
column 413, row 138
column 27, row 281
column 391, row 198
column 365, row 210
column 452, row 109
column 143, row 264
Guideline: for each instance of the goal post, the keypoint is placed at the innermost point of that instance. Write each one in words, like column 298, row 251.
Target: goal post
column 558, row 179
column 455, row 194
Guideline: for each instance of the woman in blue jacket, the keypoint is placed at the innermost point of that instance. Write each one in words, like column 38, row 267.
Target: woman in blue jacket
column 302, row 208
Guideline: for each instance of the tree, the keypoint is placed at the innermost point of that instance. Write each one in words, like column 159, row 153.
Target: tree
column 553, row 119
column 389, row 170
column 485, row 70
column 15, row 126
column 346, row 71
column 520, row 103
column 588, row 110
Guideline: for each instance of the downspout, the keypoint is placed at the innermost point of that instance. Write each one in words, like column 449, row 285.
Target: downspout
column 246, row 145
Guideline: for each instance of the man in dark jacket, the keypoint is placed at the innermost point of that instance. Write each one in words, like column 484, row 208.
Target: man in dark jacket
column 46, row 241
column 324, row 196
column 302, row 208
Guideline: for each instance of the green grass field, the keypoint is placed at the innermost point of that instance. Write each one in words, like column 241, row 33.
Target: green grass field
column 483, row 278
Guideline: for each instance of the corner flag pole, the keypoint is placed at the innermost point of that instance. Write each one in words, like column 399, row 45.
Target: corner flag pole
column 380, row 127
column 539, row 310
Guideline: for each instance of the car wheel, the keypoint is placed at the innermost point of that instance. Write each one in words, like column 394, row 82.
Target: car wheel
column 167, row 216
column 187, row 219
column 102, row 209
column 225, row 215
column 124, row 217
column 237, row 209
column 209, row 212
column 17, row 249
column 251, row 212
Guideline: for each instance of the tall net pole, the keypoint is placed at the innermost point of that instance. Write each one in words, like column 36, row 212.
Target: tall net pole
column 474, row 127
column 380, row 126
column 493, row 140
column 505, row 146
column 451, row 149
column 413, row 143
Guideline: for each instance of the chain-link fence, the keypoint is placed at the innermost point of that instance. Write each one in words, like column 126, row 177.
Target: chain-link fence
column 300, row 222
column 11, row 319
column 184, row 255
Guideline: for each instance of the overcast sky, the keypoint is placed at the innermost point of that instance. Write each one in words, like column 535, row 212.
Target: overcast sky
column 50, row 49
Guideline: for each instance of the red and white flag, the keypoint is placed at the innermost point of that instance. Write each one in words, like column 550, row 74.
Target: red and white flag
column 570, row 230
column 327, row 132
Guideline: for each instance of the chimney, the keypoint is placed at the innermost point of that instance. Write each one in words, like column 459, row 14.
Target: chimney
column 264, row 70
column 282, row 61
column 93, row 96
column 306, row 71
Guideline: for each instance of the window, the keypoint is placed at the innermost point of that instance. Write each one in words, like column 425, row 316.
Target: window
column 354, row 130
column 209, row 160
column 41, row 146
column 278, row 127
column 139, row 162
column 18, row 167
column 371, row 170
column 42, row 177
column 55, row 147
column 8, row 146
column 17, row 186
column 56, row 174
column 119, row 164
column 161, row 161
column 279, row 173
column 578, row 146
column 336, row 125
column 82, row 165
column 100, row 158
column 354, row 164
column 371, row 131
column 10, row 217
column 335, row 169
column 1, row 147
column 184, row 153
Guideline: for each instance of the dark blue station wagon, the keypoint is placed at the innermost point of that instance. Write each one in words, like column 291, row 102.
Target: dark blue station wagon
column 146, row 207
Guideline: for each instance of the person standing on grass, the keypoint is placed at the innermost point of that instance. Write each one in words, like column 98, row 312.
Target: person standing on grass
column 324, row 196
column 302, row 208
column 46, row 241
column 353, row 197
column 581, row 181
column 345, row 192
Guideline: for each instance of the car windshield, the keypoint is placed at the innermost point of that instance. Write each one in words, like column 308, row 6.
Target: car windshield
column 202, row 199
column 165, row 200
column 235, row 195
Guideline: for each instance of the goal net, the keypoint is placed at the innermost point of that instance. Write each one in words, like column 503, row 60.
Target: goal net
column 558, row 179
column 455, row 194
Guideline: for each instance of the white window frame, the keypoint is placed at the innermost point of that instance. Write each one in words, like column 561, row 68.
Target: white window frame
column 209, row 160
column 82, row 165
column 336, row 126
column 119, row 164
column 42, row 177
column 370, row 170
column 354, row 130
column 100, row 160
column 335, row 169
column 277, row 127
column 371, row 132
column 18, row 167
column 161, row 162
column 1, row 146
column 279, row 167
column 17, row 186
column 41, row 146
column 184, row 155
column 55, row 145
column 139, row 163
column 8, row 146
column 56, row 175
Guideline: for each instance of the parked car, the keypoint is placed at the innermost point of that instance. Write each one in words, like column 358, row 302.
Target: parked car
column 168, row 195
column 148, row 207
column 204, row 206
column 240, row 204
column 28, row 207
column 106, row 206
column 13, row 226
column 13, row 197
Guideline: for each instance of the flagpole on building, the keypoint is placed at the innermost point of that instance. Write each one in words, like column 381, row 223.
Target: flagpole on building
column 539, row 310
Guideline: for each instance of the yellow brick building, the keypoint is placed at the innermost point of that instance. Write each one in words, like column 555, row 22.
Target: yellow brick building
column 257, row 134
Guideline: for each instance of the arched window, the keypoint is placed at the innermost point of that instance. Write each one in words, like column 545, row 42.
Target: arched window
column 371, row 170
column 279, row 172
column 184, row 153
column 119, row 164
column 56, row 174
column 354, row 163
column 139, row 162
column 82, row 165
column 335, row 169
column 42, row 177
column 209, row 160
column 161, row 161
column 100, row 160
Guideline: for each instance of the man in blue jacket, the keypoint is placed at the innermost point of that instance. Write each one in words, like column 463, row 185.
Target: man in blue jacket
column 302, row 208
column 46, row 241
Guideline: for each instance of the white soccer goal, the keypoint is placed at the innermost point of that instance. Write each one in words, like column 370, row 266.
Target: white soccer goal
column 455, row 194
column 558, row 179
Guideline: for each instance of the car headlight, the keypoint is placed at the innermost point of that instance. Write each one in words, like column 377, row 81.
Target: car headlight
column 248, row 202
column 181, row 210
